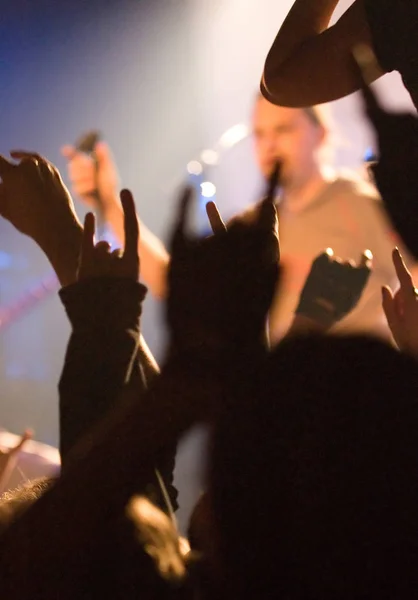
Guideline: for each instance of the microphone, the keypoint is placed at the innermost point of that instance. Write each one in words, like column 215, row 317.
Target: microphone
column 86, row 143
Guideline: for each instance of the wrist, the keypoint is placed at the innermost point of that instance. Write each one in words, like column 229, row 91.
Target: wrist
column 63, row 252
column 110, row 203
column 104, row 304
column 305, row 325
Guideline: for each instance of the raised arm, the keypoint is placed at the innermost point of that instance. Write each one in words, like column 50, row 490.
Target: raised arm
column 87, row 178
column 310, row 63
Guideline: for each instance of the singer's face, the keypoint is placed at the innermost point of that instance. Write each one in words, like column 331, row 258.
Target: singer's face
column 287, row 135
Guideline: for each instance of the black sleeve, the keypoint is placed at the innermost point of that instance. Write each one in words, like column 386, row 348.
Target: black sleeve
column 393, row 25
column 106, row 351
column 104, row 314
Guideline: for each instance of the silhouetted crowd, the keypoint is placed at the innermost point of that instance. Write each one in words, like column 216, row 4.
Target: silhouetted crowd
column 311, row 481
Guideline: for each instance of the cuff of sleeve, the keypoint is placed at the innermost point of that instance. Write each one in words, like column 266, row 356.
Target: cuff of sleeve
column 114, row 303
column 319, row 311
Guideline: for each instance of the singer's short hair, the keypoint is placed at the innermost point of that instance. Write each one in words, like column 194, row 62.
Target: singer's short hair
column 318, row 115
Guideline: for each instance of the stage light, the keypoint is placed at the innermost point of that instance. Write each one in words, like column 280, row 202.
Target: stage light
column 194, row 167
column 210, row 157
column 234, row 135
column 208, row 189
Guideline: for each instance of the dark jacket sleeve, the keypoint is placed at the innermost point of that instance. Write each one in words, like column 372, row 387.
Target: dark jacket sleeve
column 105, row 317
column 106, row 353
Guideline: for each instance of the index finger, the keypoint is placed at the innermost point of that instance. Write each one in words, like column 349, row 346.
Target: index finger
column 404, row 276
column 130, row 225
column 87, row 242
column 215, row 219
column 179, row 229
column 5, row 166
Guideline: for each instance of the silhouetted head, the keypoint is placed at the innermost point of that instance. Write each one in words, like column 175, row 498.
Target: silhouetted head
column 314, row 481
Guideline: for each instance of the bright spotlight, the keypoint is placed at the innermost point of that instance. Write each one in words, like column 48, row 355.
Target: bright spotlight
column 210, row 157
column 234, row 135
column 194, row 167
column 208, row 189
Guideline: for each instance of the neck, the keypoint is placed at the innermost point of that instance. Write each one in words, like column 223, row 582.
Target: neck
column 299, row 195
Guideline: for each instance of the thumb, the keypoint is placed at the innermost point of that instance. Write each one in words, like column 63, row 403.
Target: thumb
column 27, row 435
column 68, row 152
column 389, row 308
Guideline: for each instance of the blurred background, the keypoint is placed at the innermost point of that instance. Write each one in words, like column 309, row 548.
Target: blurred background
column 164, row 81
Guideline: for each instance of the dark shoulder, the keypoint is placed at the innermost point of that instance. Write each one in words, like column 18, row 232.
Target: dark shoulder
column 393, row 25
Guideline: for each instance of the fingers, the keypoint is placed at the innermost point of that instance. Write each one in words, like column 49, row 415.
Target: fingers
column 5, row 166
column 27, row 435
column 103, row 155
column 365, row 267
column 215, row 219
column 103, row 247
column 68, row 152
column 87, row 244
column 366, row 260
column 358, row 275
column 404, row 276
column 130, row 224
column 33, row 159
column 182, row 213
column 24, row 155
column 29, row 157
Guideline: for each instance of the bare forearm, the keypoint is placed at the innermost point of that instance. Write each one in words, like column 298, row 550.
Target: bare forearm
column 153, row 256
column 309, row 62
column 63, row 252
column 306, row 18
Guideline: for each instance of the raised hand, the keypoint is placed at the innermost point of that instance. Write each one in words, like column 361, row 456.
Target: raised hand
column 98, row 260
column 9, row 458
column 333, row 288
column 33, row 196
column 395, row 173
column 221, row 287
column 35, row 200
column 90, row 176
column 401, row 309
